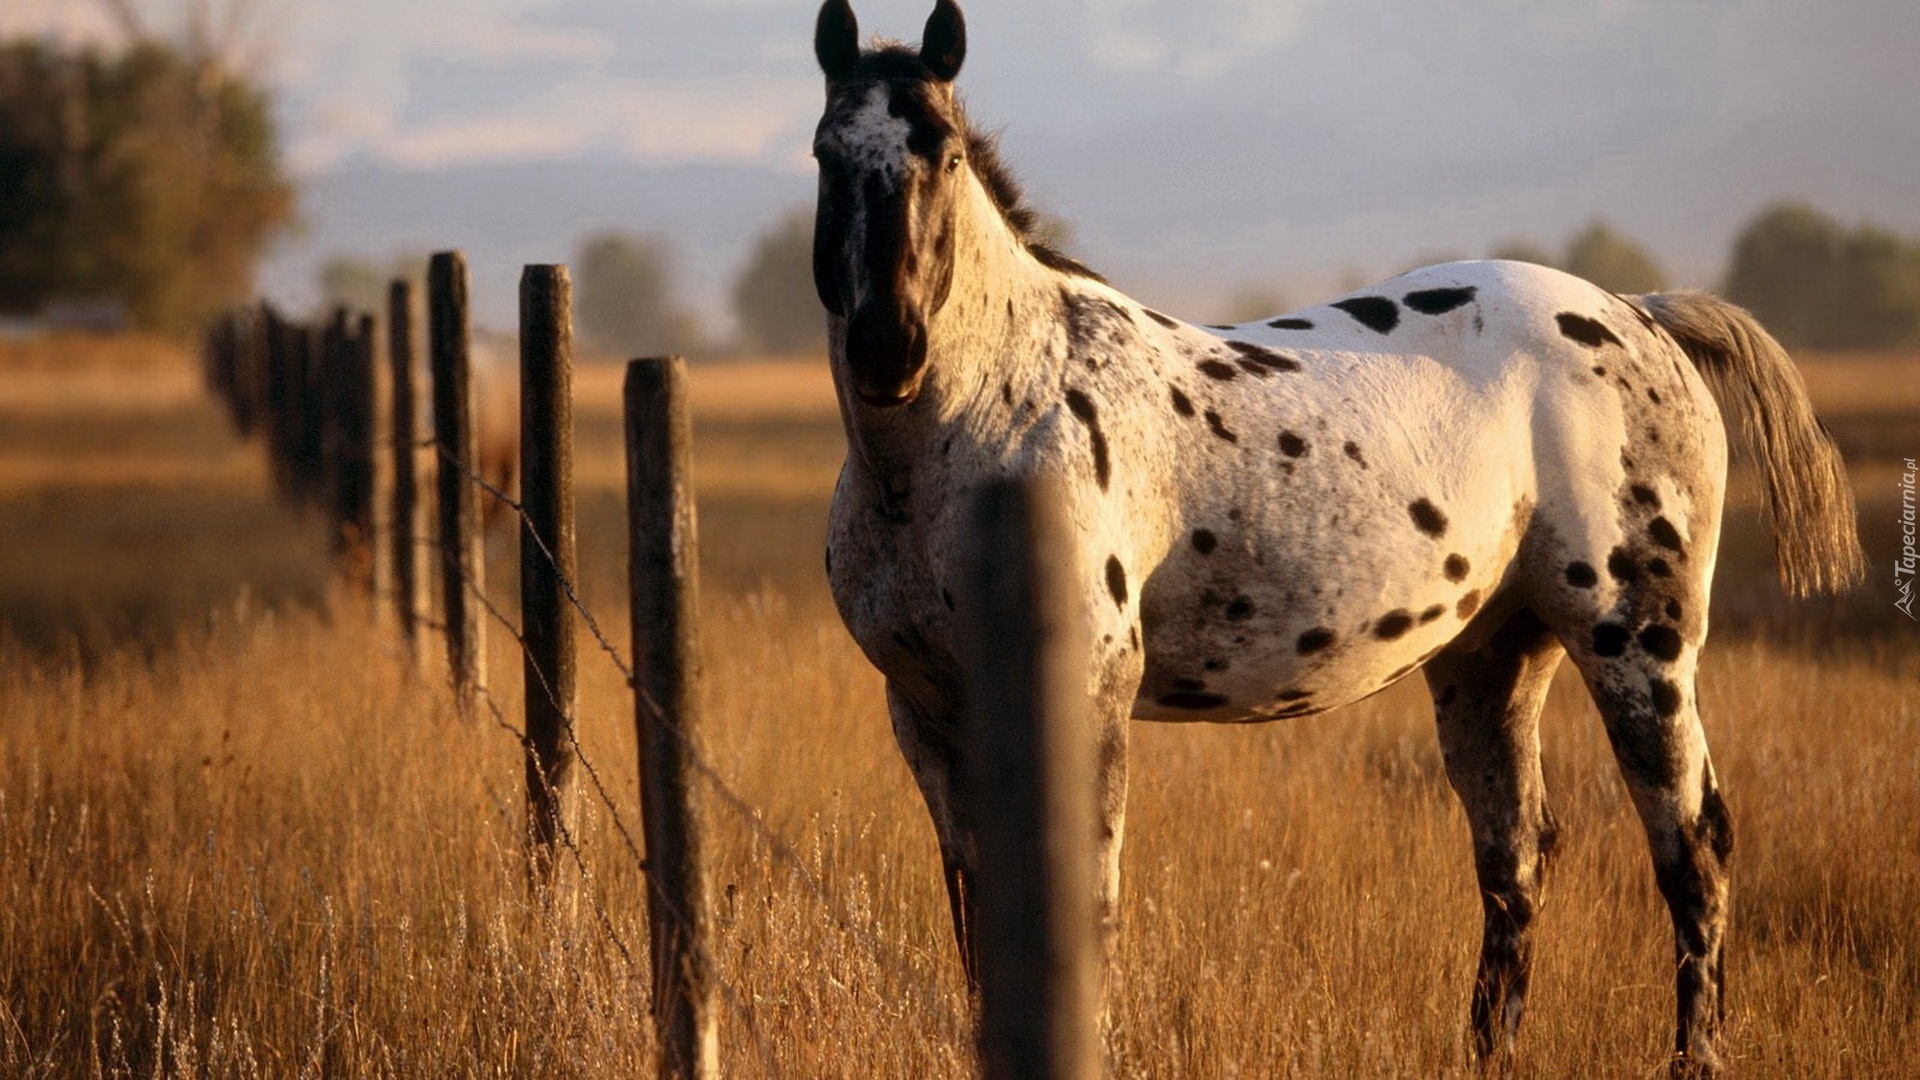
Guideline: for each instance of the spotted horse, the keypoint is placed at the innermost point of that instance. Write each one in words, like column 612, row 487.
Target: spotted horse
column 1470, row 471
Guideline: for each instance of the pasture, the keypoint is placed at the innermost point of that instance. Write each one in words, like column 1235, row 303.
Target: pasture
column 242, row 834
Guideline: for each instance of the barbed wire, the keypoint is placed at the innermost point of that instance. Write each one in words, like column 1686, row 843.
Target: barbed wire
column 783, row 850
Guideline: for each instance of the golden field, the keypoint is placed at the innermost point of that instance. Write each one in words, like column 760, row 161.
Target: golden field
column 242, row 833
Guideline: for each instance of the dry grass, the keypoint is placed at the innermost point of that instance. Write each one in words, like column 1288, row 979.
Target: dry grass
column 243, row 834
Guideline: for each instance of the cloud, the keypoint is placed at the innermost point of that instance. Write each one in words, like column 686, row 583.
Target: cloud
column 1194, row 39
column 644, row 121
column 71, row 22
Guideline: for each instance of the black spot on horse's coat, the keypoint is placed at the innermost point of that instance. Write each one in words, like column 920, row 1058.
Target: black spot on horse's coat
column 1182, row 404
column 1219, row 428
column 1428, row 518
column 1189, row 684
column 1589, row 332
column 1313, row 640
column 1161, row 319
column 1645, row 496
column 1204, row 541
column 1456, row 567
column 946, row 597
column 1661, row 642
column 1665, row 534
column 1291, row 324
column 1353, row 451
column 1376, row 313
column 1214, row 665
column 1610, row 639
column 1716, row 823
column 1293, row 695
column 1439, row 301
column 1659, row 568
column 1581, row 575
column 1082, row 408
column 1666, row 697
column 1221, row 326
column 1006, row 393
column 1600, row 371
column 1265, row 358
column 1432, row 613
column 1653, row 395
column 1292, row 445
column 1133, row 638
column 1468, row 604
column 1218, row 369
column 1393, row 624
column 1240, row 609
column 1621, row 566
column 1117, row 581
column 1673, row 609
column 1188, row 699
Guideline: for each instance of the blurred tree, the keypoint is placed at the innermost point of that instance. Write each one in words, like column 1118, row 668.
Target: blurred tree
column 150, row 177
column 1612, row 261
column 360, row 284
column 1522, row 250
column 1814, row 284
column 624, row 297
column 773, row 299
column 1251, row 302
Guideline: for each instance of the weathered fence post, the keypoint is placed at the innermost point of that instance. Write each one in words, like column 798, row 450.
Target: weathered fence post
column 1028, row 750
column 310, row 458
column 547, row 564
column 462, row 565
column 665, row 594
column 403, row 520
column 347, row 437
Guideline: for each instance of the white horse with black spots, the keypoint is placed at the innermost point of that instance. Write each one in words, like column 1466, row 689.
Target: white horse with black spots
column 1470, row 470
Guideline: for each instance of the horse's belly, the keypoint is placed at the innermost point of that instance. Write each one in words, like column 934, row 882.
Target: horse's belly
column 1297, row 615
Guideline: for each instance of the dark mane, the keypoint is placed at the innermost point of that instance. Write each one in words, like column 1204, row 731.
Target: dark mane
column 894, row 62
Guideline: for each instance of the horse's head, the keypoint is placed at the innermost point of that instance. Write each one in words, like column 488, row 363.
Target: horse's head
column 891, row 147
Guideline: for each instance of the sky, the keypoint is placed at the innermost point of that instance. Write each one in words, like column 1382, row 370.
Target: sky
column 1197, row 147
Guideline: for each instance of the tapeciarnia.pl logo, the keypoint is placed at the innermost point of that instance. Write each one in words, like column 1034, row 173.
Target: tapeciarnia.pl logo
column 1903, row 567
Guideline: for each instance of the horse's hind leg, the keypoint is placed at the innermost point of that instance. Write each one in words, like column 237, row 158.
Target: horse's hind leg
column 1487, row 702
column 1642, row 680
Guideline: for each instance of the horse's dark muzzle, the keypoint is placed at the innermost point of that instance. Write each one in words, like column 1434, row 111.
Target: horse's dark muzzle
column 886, row 352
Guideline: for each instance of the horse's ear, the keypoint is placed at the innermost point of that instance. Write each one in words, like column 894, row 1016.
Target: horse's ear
column 944, row 44
column 836, row 39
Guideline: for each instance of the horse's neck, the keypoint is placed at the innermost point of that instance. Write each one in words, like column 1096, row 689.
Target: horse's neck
column 1001, row 324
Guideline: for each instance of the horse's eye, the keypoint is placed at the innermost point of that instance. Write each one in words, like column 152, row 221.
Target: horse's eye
column 953, row 162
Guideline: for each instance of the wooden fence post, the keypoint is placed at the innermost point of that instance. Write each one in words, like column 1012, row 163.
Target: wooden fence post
column 311, row 456
column 547, row 563
column 282, row 402
column 1028, row 750
column 404, row 518
column 462, row 565
column 347, row 424
column 664, row 583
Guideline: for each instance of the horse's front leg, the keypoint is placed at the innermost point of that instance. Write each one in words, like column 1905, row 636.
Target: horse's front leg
column 929, row 740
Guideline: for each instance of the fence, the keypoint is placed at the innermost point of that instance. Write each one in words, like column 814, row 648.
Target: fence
column 314, row 397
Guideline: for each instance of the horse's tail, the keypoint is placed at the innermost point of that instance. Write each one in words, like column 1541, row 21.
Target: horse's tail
column 1751, row 375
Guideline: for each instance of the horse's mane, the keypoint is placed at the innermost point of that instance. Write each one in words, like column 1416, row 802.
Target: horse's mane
column 895, row 62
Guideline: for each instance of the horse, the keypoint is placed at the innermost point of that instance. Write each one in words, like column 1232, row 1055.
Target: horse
column 1471, row 471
